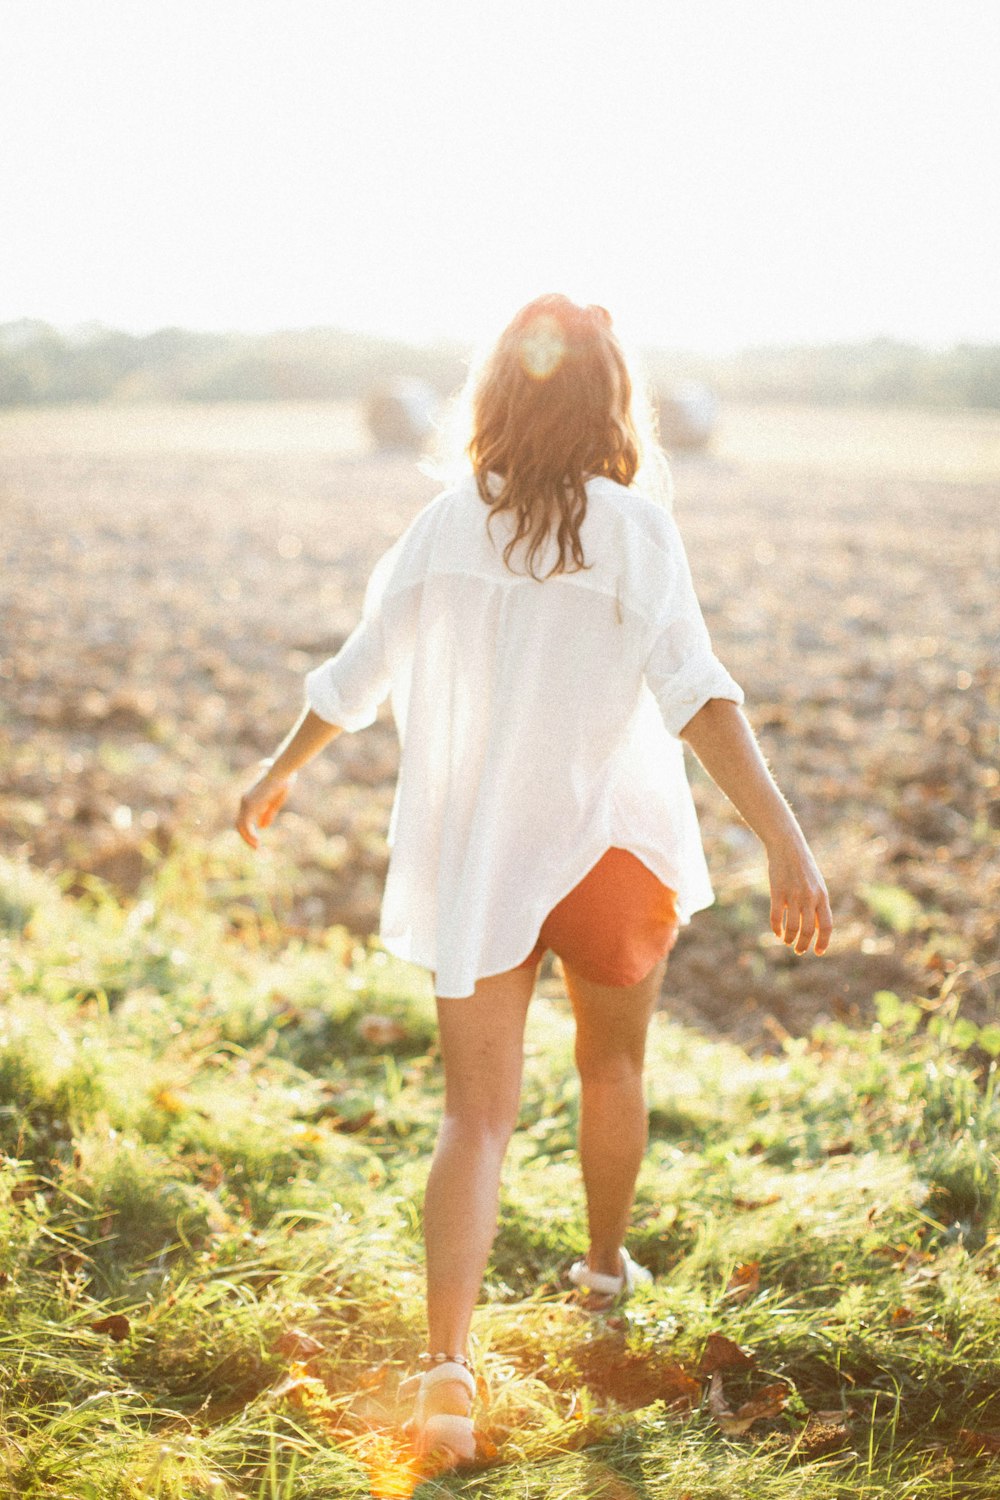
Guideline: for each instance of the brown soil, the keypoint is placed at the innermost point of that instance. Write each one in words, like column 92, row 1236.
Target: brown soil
column 160, row 608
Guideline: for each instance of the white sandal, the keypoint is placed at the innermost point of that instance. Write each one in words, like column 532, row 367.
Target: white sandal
column 438, row 1430
column 598, row 1282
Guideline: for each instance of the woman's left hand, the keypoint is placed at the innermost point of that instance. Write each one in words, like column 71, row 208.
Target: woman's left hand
column 260, row 803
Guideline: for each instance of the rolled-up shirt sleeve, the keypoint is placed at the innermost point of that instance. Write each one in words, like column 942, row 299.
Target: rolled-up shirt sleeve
column 348, row 688
column 682, row 670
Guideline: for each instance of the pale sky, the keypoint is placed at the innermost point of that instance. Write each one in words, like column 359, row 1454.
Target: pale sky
column 716, row 172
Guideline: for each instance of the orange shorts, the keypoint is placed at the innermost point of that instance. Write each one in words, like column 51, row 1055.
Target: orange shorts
column 614, row 926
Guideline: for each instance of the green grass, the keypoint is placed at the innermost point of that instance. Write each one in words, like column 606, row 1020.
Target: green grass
column 201, row 1134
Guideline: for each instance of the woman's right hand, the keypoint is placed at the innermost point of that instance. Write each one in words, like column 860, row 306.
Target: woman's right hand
column 800, row 905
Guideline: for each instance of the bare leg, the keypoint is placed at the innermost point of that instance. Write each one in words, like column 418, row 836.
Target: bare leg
column 482, row 1045
column 611, row 1026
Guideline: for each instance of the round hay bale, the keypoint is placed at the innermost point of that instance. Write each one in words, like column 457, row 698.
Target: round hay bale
column 687, row 415
column 400, row 414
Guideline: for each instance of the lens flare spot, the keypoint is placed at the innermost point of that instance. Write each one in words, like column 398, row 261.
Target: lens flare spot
column 393, row 1471
column 543, row 348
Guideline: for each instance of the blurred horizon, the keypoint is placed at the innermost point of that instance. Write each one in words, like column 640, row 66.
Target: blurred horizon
column 87, row 329
column 42, row 365
column 720, row 177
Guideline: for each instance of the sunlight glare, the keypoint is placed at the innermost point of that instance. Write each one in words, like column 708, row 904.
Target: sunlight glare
column 542, row 348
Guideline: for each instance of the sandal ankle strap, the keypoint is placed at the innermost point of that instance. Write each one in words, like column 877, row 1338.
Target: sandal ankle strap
column 449, row 1369
column 440, row 1359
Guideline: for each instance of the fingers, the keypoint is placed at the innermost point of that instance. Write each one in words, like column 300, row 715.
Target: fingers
column 824, row 922
column 245, row 826
column 258, row 809
column 806, row 929
column 800, row 917
column 272, row 807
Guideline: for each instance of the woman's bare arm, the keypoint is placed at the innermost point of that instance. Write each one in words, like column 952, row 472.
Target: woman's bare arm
column 260, row 802
column 723, row 741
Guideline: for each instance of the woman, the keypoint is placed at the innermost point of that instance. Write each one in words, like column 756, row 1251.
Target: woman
column 538, row 631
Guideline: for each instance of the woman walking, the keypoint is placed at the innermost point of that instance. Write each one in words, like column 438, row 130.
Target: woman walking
column 537, row 629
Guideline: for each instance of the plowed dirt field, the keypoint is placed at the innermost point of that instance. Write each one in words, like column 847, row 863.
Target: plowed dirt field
column 169, row 574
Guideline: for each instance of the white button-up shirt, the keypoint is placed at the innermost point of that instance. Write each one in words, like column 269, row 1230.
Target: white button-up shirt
column 538, row 721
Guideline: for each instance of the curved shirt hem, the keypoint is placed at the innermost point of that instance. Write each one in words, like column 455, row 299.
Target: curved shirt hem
column 686, row 904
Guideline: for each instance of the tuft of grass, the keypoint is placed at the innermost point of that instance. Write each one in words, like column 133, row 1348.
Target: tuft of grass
column 210, row 1231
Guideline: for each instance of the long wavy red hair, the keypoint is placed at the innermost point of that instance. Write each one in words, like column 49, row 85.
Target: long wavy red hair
column 551, row 407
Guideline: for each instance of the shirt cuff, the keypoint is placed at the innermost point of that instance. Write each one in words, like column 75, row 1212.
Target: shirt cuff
column 693, row 690
column 324, row 697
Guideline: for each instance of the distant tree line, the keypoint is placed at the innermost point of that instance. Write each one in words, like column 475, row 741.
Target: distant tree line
column 41, row 364
column 879, row 372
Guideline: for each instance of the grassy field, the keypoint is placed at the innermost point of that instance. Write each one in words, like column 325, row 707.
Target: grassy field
column 215, row 1144
column 218, row 1097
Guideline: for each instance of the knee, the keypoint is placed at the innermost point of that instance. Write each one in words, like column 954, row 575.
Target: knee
column 481, row 1123
column 601, row 1067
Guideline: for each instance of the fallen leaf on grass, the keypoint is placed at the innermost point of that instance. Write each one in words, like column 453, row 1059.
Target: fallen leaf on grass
column 295, row 1343
column 768, row 1402
column 749, row 1203
column 348, row 1124
column 893, row 1252
column 744, row 1282
column 212, row 1176
column 909, row 1258
column 67, row 1260
column 983, row 1443
column 299, row 1386
column 678, row 1388
column 381, row 1031
column 115, row 1325
column 721, row 1353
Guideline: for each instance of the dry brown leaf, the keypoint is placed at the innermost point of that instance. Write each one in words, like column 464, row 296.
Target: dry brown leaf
column 983, row 1443
column 115, row 1325
column 768, row 1402
column 348, row 1124
column 381, row 1031
column 749, row 1203
column 721, row 1353
column 908, row 1258
column 744, row 1283
column 213, row 1175
column 678, row 1387
column 295, row 1343
column 717, row 1403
